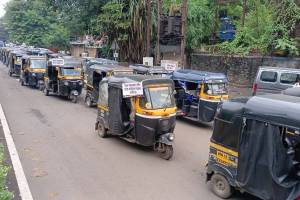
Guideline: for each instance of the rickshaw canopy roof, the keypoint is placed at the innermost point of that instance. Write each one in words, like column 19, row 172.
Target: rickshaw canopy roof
column 100, row 61
column 148, row 69
column 277, row 109
column 198, row 76
column 108, row 68
column 117, row 81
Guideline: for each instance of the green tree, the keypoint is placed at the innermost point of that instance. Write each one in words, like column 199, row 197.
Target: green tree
column 33, row 23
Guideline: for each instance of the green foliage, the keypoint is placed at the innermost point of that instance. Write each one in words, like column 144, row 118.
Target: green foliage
column 114, row 20
column 32, row 22
column 200, row 23
column 268, row 27
column 4, row 193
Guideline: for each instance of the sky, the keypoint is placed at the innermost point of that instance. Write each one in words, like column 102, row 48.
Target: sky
column 2, row 4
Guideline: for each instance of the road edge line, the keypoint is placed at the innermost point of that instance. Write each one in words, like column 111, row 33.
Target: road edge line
column 25, row 192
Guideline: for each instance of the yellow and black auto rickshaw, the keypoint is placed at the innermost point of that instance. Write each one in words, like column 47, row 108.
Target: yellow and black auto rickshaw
column 139, row 109
column 198, row 93
column 15, row 62
column 94, row 75
column 255, row 147
column 33, row 70
column 64, row 78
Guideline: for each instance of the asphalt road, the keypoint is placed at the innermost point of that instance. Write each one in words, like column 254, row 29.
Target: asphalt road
column 64, row 159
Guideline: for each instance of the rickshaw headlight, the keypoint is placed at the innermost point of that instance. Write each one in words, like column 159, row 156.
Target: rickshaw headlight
column 66, row 83
column 171, row 137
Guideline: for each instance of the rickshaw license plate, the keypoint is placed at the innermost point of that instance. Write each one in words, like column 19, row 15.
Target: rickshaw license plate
column 223, row 158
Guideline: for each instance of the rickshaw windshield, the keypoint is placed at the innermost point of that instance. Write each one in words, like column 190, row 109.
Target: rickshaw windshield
column 38, row 64
column 70, row 72
column 157, row 98
column 215, row 88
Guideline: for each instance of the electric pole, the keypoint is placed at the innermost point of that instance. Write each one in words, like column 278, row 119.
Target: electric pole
column 148, row 28
column 184, row 10
column 159, row 13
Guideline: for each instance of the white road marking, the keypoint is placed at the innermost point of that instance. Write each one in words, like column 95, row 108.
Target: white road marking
column 19, row 172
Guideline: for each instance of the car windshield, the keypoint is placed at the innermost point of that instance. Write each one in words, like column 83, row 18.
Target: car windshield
column 70, row 72
column 38, row 64
column 215, row 88
column 158, row 98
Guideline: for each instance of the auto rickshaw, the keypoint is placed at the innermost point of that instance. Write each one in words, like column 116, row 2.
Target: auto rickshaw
column 198, row 93
column 15, row 62
column 64, row 78
column 255, row 147
column 94, row 76
column 33, row 70
column 138, row 109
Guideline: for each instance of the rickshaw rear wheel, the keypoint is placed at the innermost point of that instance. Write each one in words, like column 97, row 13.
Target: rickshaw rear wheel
column 167, row 152
column 101, row 130
column 74, row 99
column 220, row 186
column 88, row 101
column 22, row 82
column 46, row 92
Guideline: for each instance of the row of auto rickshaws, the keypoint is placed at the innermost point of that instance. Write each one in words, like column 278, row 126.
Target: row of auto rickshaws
column 255, row 145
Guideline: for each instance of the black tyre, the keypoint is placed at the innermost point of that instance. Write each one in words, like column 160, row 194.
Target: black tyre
column 22, row 82
column 101, row 130
column 9, row 73
column 167, row 152
column 74, row 99
column 220, row 186
column 88, row 101
column 46, row 92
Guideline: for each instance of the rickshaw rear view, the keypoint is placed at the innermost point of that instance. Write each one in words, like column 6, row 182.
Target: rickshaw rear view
column 255, row 147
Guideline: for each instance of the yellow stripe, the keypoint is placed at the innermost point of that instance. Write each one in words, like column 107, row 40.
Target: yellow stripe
column 224, row 149
column 102, row 107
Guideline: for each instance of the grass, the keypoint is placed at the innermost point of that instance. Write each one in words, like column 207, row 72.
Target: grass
column 4, row 169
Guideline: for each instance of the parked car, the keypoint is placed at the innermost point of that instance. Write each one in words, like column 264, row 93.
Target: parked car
column 274, row 80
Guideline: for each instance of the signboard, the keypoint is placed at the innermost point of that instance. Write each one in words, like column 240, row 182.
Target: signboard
column 148, row 61
column 116, row 55
column 57, row 62
column 132, row 89
column 169, row 65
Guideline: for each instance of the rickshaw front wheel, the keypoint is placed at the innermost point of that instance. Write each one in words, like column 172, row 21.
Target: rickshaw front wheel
column 74, row 99
column 88, row 101
column 220, row 186
column 101, row 130
column 166, row 152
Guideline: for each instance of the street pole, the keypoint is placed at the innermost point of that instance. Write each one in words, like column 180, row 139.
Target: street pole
column 148, row 28
column 184, row 11
column 159, row 12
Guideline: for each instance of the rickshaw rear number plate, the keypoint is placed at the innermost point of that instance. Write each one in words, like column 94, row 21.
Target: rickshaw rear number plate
column 223, row 158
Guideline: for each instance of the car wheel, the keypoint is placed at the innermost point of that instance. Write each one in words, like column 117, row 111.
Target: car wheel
column 220, row 186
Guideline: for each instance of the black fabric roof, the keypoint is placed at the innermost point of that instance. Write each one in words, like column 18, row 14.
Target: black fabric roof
column 275, row 108
column 118, row 80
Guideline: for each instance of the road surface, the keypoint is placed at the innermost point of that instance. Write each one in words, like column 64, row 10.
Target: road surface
column 64, row 159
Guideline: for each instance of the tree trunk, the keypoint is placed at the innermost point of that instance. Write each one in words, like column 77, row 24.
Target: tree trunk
column 159, row 12
column 148, row 27
column 184, row 11
column 244, row 12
